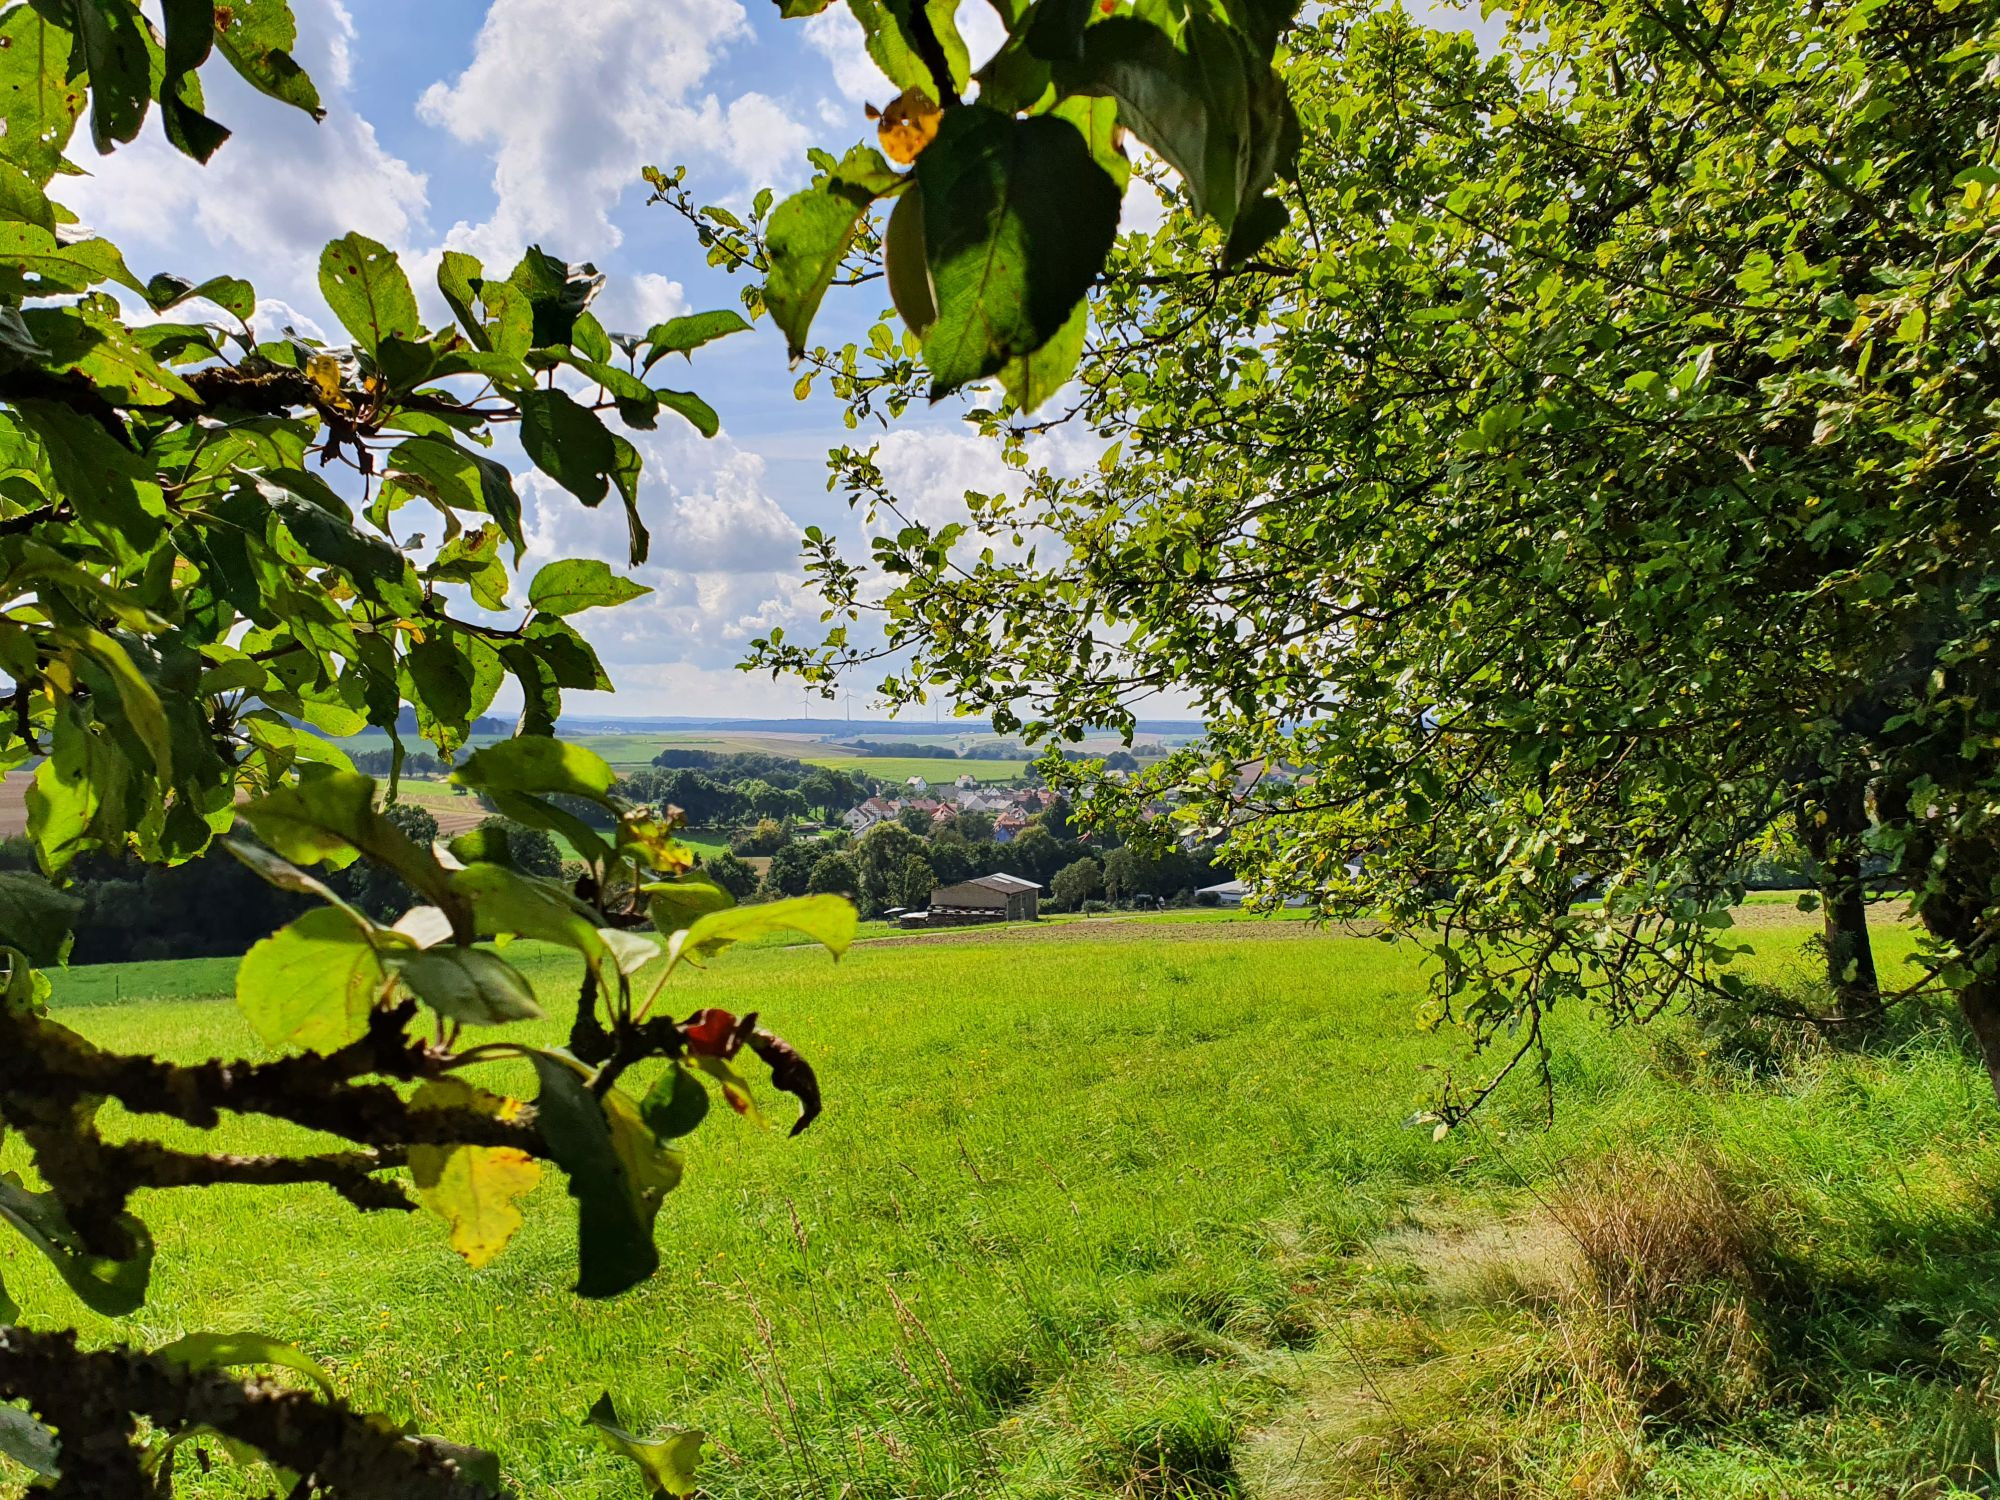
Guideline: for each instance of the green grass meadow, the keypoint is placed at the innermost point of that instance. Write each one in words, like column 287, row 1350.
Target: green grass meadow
column 897, row 768
column 1134, row 1214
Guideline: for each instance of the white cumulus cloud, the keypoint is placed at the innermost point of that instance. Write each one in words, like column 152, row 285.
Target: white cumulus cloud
column 275, row 193
column 572, row 100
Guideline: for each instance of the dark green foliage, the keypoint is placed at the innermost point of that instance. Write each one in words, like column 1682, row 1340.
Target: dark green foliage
column 791, row 867
column 833, row 874
column 1587, row 494
column 1077, row 883
column 917, row 882
column 734, row 875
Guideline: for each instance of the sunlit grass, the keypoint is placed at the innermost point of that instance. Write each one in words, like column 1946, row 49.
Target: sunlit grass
column 1078, row 1217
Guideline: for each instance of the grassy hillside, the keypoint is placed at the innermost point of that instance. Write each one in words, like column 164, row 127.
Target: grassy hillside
column 1139, row 1215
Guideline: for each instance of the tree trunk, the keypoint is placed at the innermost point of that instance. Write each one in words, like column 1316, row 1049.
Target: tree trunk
column 1951, row 902
column 1831, row 825
column 1979, row 1003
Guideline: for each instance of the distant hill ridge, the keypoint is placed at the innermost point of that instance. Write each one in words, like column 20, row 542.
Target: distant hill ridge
column 833, row 728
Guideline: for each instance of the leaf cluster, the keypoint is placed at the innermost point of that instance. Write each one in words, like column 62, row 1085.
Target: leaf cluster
column 1595, row 475
column 1017, row 171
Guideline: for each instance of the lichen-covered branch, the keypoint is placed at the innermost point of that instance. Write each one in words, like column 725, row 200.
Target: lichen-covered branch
column 96, row 1399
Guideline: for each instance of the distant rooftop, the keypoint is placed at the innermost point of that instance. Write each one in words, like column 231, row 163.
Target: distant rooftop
column 1004, row 883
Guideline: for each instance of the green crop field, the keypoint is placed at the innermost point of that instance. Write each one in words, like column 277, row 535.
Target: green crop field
column 1133, row 1210
column 635, row 751
column 902, row 767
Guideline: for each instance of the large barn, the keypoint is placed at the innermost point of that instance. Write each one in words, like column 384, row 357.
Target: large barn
column 1004, row 898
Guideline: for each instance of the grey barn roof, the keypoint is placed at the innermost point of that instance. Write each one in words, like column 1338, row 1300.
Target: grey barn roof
column 1002, row 883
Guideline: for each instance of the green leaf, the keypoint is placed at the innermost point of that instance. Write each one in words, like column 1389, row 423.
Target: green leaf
column 1018, row 218
column 79, row 794
column 510, row 319
column 506, row 902
column 535, row 812
column 35, row 917
column 675, row 1105
column 85, row 341
column 113, row 489
column 39, row 101
column 451, row 477
column 232, row 295
column 626, row 465
column 470, row 985
column 333, row 817
column 229, row 1351
column 22, row 199
column 590, row 340
column 667, row 1463
column 541, row 694
column 257, row 40
column 556, row 293
column 1031, row 379
column 1097, row 120
column 568, row 655
column 574, row 584
column 685, row 334
column 34, row 263
column 458, row 278
column 319, row 521
column 189, row 26
column 472, row 1188
column 632, row 951
column 637, row 406
column 691, row 406
column 114, row 1288
column 311, row 985
column 27, row 1441
column 568, row 443
column 364, row 284
column 677, row 904
column 829, row 920
column 538, row 765
column 891, row 41
column 1211, row 107
column 473, row 558
column 615, row 1250
column 137, row 699
column 809, row 233
column 112, row 45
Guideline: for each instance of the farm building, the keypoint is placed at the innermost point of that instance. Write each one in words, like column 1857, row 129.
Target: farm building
column 1229, row 893
column 1001, row 898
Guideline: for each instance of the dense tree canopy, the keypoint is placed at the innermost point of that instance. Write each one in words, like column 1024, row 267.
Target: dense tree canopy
column 223, row 551
column 1593, row 485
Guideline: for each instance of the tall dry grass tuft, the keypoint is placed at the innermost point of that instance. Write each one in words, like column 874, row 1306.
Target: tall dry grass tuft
column 1557, row 1350
column 1668, row 1301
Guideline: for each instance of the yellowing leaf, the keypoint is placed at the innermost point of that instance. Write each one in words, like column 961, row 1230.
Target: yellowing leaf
column 473, row 1188
column 323, row 370
column 909, row 124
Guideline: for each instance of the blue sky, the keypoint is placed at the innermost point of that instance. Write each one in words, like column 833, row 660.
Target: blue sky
column 491, row 126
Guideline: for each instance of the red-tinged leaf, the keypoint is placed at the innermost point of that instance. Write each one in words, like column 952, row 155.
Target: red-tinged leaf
column 790, row 1073
column 716, row 1033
